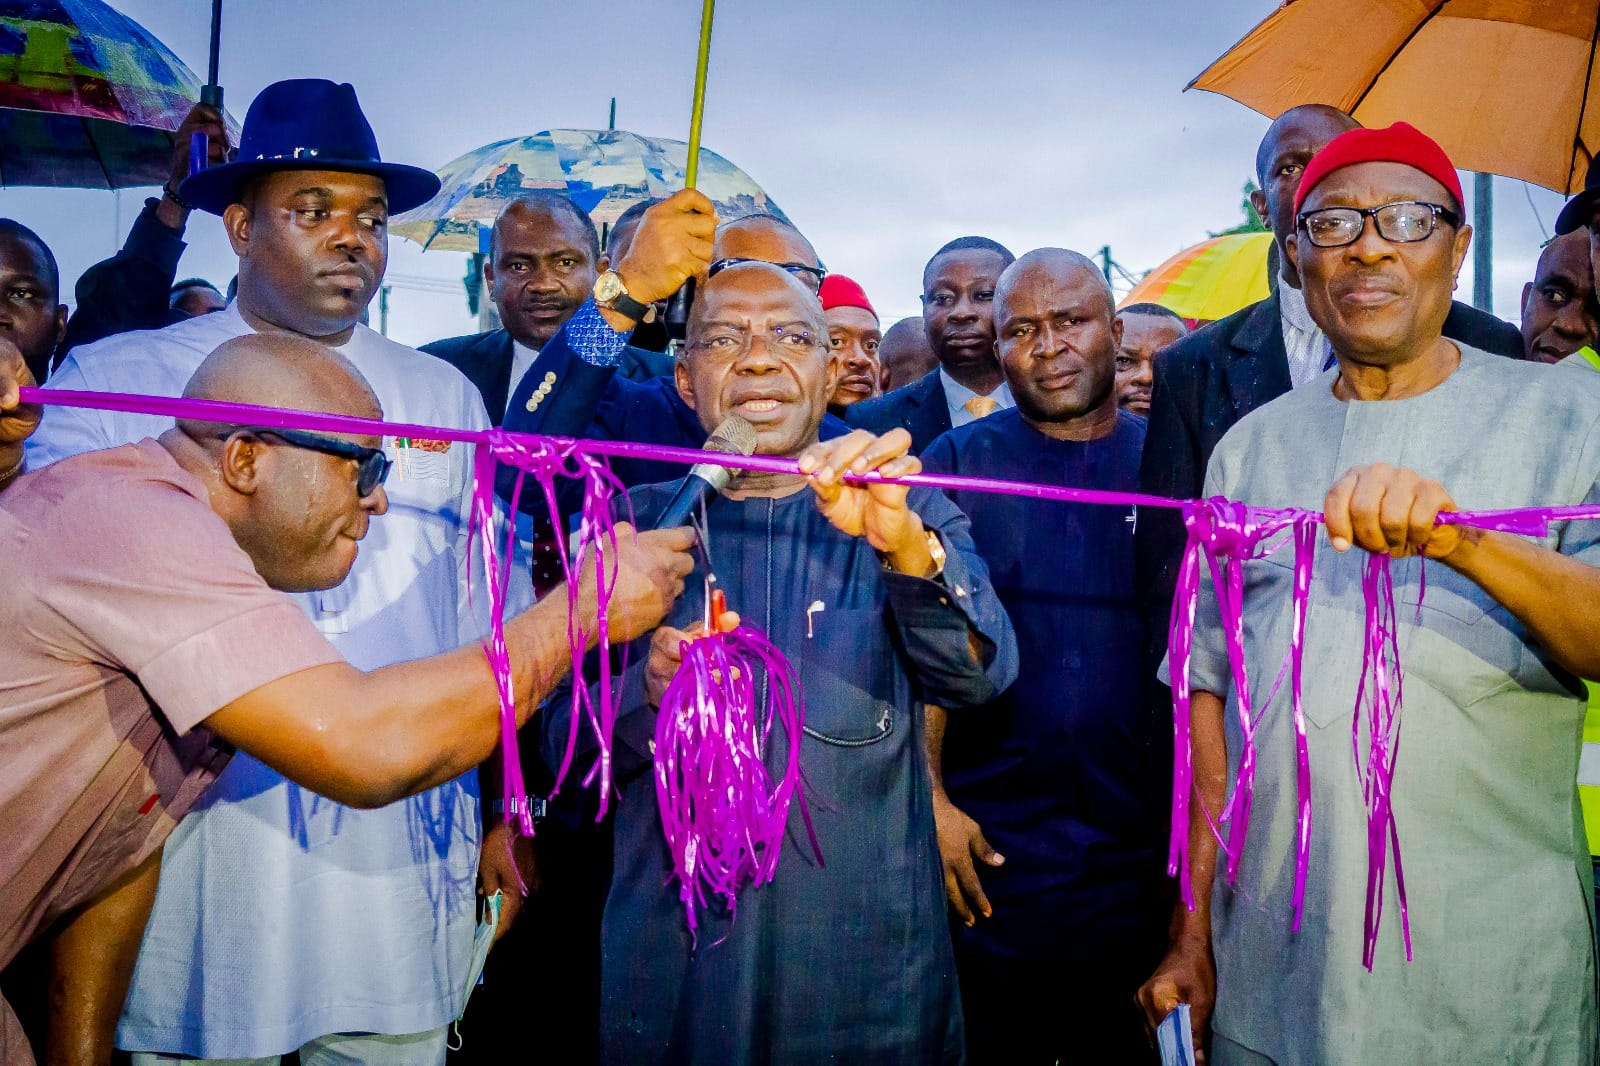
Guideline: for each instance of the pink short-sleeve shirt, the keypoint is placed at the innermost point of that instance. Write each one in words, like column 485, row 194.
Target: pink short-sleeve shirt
column 130, row 615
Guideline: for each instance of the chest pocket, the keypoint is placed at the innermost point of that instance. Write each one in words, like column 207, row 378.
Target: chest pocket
column 847, row 689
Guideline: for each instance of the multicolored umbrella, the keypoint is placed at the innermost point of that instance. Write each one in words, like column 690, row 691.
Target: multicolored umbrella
column 604, row 171
column 88, row 97
column 1211, row 280
column 1505, row 86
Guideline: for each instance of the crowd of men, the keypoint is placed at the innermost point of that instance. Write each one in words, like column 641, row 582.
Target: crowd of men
column 243, row 708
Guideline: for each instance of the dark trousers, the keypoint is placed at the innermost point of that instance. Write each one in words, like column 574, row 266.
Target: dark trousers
column 1040, row 1013
column 541, row 985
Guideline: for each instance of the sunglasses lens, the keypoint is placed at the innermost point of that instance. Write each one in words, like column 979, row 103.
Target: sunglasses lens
column 374, row 469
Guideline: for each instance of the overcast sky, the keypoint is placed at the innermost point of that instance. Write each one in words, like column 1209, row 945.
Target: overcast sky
column 883, row 128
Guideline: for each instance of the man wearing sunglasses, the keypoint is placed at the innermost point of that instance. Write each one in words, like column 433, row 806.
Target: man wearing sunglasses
column 150, row 638
column 1492, row 641
column 305, row 207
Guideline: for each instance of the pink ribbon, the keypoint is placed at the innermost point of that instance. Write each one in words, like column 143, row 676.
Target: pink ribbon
column 1224, row 533
column 723, row 816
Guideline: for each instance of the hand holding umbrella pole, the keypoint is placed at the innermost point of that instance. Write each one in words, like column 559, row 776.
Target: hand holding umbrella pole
column 210, row 94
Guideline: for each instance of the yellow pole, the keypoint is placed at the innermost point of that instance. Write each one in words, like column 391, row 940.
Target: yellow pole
column 692, row 169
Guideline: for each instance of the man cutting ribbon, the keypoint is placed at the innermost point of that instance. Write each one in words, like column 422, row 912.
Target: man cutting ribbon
column 1491, row 644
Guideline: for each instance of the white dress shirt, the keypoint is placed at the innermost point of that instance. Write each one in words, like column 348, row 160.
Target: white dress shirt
column 1303, row 340
column 956, row 396
column 522, row 358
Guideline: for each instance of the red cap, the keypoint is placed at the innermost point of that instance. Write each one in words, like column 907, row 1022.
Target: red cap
column 839, row 291
column 1399, row 143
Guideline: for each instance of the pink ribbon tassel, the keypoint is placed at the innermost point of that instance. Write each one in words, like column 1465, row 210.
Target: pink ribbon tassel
column 723, row 815
column 1226, row 534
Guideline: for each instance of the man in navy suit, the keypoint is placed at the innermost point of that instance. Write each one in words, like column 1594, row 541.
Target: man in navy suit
column 542, row 264
column 1209, row 380
column 958, row 316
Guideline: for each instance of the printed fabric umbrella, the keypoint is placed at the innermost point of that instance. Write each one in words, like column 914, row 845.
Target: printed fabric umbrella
column 88, row 97
column 604, row 171
column 1505, row 86
column 1211, row 280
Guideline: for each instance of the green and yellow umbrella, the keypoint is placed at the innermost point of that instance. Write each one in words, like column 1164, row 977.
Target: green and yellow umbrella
column 1210, row 280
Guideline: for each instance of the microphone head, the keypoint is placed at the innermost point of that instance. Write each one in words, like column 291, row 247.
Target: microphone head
column 734, row 436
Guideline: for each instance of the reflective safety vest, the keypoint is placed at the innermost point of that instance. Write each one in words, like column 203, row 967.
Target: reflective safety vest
column 1589, row 770
column 1589, row 760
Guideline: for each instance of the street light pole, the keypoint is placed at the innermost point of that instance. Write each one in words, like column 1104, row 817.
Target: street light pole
column 1483, row 242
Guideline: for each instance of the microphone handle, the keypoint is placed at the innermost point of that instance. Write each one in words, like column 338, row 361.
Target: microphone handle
column 695, row 489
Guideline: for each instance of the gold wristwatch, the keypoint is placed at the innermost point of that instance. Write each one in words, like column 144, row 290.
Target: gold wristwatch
column 611, row 294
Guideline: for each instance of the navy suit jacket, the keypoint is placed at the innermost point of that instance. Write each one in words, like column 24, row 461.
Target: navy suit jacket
column 1204, row 384
column 485, row 358
column 584, row 400
column 920, row 407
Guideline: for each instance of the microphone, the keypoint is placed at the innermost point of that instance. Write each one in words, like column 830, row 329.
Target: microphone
column 734, row 437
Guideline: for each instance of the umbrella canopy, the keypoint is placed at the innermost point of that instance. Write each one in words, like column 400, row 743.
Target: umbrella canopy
column 1211, row 280
column 604, row 171
column 1505, row 86
column 88, row 98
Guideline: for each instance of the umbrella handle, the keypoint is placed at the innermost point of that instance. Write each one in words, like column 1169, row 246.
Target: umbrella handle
column 676, row 320
column 199, row 152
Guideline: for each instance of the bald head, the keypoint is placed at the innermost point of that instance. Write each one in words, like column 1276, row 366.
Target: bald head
column 770, row 282
column 283, row 370
column 1314, row 120
column 1053, row 265
column 291, row 499
column 1290, row 142
column 905, row 353
column 766, row 239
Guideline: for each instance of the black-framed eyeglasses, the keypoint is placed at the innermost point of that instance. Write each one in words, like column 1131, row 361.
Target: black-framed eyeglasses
column 811, row 275
column 372, row 465
column 1402, row 222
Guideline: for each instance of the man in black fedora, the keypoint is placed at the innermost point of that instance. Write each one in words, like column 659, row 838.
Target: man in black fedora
column 284, row 921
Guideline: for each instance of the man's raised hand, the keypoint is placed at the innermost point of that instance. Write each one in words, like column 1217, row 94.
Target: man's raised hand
column 671, row 245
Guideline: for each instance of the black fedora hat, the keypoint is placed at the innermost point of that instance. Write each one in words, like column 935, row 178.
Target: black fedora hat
column 307, row 124
column 1576, row 214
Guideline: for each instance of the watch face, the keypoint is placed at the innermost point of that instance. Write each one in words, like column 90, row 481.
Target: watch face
column 607, row 287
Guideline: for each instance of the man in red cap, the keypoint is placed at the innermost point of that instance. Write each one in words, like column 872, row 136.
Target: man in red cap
column 854, row 333
column 1408, row 424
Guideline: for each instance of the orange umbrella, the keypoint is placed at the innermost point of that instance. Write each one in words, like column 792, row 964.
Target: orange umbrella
column 1211, row 280
column 1505, row 86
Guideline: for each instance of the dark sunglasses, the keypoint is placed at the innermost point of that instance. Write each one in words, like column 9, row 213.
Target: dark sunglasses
column 811, row 275
column 372, row 465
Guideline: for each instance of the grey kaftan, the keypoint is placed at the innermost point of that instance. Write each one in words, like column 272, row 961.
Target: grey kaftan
column 1497, row 871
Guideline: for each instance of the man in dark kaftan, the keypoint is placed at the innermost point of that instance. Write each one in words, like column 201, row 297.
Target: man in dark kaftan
column 878, row 599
